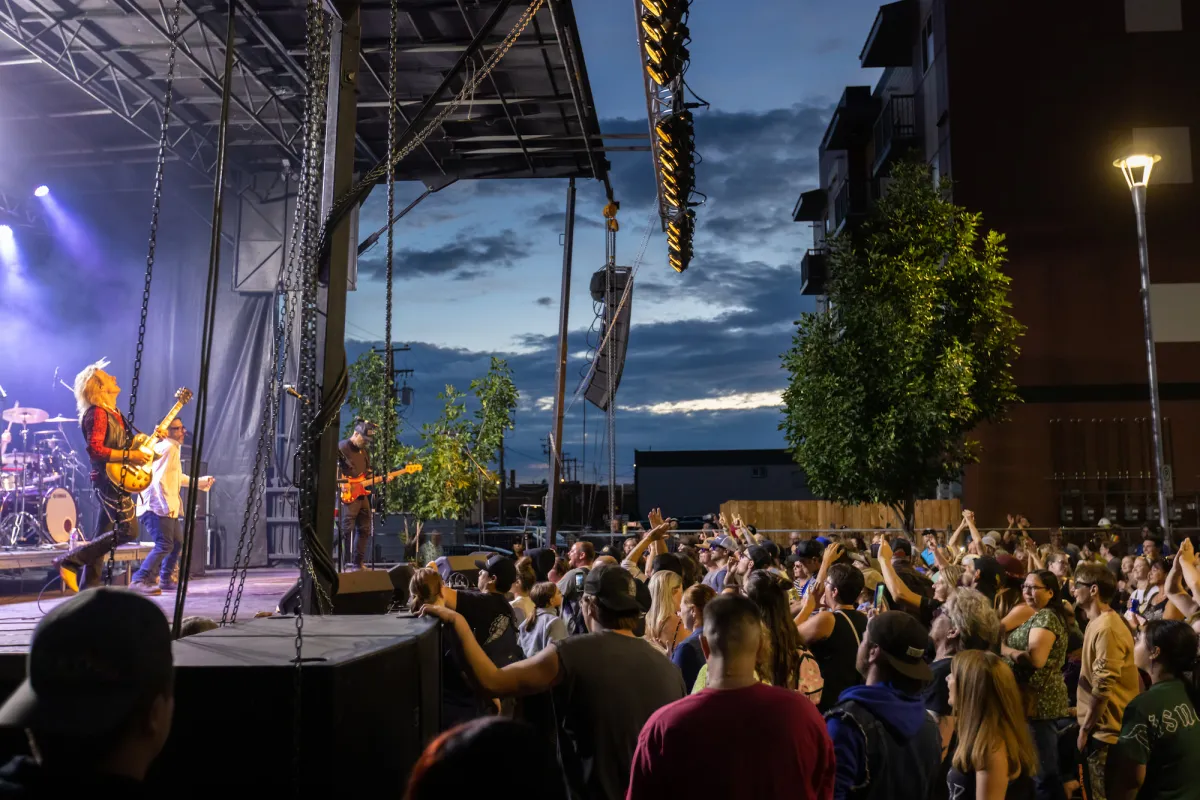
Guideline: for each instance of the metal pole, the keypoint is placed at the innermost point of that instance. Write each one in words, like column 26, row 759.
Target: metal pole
column 339, row 170
column 564, row 308
column 503, row 485
column 1139, row 207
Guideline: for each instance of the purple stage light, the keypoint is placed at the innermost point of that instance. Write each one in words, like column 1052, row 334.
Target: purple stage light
column 41, row 191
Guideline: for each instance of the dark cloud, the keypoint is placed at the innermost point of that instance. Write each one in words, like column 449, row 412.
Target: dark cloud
column 464, row 258
column 546, row 302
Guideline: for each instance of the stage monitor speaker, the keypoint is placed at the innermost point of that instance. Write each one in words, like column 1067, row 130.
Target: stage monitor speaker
column 199, row 558
column 597, row 381
column 369, row 701
column 401, row 576
column 366, row 591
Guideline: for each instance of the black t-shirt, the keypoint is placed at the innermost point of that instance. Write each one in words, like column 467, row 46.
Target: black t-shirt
column 937, row 693
column 610, row 685
column 962, row 786
column 494, row 625
column 354, row 461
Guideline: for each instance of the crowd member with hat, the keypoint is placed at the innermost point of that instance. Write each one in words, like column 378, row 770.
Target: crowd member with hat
column 603, row 708
column 492, row 624
column 775, row 736
column 885, row 743
column 354, row 461
column 720, row 551
column 97, row 701
column 806, row 563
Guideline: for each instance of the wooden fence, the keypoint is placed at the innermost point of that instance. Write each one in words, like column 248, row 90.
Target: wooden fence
column 816, row 515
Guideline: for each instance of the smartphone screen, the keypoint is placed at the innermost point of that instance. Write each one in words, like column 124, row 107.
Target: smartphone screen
column 579, row 582
column 881, row 598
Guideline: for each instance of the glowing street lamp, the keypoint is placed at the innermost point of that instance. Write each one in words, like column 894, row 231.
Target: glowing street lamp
column 1137, row 168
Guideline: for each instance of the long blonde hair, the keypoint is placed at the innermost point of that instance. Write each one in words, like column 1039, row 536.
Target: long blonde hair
column 662, row 590
column 988, row 711
column 85, row 387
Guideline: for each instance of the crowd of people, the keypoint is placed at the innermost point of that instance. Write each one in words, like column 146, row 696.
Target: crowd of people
column 954, row 664
column 944, row 665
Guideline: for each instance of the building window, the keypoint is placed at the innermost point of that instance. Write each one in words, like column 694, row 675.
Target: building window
column 758, row 472
column 927, row 45
column 1148, row 16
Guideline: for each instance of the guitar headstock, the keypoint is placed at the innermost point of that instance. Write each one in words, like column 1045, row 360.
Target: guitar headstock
column 183, row 395
column 409, row 469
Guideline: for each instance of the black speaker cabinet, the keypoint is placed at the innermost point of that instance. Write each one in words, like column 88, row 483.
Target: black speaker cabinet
column 370, row 695
column 364, row 591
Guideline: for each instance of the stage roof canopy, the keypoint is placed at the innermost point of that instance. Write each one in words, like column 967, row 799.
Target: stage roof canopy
column 82, row 85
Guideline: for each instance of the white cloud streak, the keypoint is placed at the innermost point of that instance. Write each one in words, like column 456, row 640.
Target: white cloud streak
column 743, row 401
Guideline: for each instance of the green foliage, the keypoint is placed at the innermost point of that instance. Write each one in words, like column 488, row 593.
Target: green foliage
column 914, row 353
column 370, row 397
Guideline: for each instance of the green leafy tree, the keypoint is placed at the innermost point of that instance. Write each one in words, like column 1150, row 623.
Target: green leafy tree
column 457, row 449
column 915, row 351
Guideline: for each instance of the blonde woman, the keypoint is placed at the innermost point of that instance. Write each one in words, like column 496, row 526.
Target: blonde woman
column 994, row 758
column 108, row 437
column 664, row 628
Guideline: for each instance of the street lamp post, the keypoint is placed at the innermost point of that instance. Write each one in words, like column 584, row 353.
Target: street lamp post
column 1136, row 169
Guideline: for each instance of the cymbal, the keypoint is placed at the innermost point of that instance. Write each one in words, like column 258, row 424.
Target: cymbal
column 25, row 416
column 47, row 433
column 59, row 418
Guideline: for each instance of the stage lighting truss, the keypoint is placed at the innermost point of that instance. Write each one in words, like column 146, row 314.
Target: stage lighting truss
column 663, row 38
column 17, row 211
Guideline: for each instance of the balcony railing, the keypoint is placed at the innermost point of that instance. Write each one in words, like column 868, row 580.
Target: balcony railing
column 814, row 270
column 895, row 130
column 850, row 203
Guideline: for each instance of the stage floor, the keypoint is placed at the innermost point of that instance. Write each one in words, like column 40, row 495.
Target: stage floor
column 206, row 598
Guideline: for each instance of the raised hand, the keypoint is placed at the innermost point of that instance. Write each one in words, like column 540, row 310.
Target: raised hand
column 655, row 517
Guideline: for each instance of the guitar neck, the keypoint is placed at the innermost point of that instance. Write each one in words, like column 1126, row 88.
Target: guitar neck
column 175, row 409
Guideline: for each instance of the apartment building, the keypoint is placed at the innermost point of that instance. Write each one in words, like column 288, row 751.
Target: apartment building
column 1024, row 106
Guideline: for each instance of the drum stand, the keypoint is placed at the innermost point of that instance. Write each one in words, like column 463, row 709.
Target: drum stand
column 20, row 520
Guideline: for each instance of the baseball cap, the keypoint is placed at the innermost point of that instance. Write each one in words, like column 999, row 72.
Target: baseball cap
column 809, row 548
column 543, row 561
column 759, row 557
column 1011, row 565
column 902, row 641
column 105, row 650
column 707, row 544
column 991, row 540
column 502, row 569
column 613, row 589
column 871, row 578
column 726, row 542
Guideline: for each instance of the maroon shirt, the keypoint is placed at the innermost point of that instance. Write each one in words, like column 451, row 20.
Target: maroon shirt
column 777, row 735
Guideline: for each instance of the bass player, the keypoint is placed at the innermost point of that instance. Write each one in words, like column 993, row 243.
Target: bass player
column 355, row 462
column 108, row 438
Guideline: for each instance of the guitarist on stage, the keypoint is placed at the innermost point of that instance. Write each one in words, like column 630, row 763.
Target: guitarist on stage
column 108, row 438
column 355, row 462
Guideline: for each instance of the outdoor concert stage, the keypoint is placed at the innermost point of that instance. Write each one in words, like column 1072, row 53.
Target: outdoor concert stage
column 206, row 598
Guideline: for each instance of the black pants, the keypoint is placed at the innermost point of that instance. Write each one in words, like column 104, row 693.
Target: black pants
column 116, row 524
column 356, row 518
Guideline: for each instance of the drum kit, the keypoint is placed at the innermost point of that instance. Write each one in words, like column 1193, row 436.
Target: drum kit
column 38, row 481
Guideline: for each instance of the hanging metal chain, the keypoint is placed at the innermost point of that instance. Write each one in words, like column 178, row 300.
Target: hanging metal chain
column 286, row 291
column 389, row 432
column 467, row 91
column 159, row 168
column 610, row 262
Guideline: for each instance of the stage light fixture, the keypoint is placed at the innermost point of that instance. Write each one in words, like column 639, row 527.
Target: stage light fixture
column 6, row 231
column 41, row 191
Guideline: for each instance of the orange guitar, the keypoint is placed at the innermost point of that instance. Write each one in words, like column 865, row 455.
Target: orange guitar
column 354, row 488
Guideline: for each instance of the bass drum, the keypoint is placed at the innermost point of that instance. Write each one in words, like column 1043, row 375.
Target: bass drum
column 59, row 515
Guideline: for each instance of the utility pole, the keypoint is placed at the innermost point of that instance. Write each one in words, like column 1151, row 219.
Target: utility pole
column 503, row 483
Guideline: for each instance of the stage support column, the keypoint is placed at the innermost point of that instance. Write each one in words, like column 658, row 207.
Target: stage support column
column 564, row 308
column 339, row 178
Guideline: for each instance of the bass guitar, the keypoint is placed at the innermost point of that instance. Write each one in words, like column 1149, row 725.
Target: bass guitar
column 354, row 488
column 136, row 479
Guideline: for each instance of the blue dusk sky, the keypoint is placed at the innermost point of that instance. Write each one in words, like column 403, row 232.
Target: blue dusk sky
column 478, row 266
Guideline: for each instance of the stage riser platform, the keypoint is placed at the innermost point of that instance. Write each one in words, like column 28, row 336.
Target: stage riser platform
column 367, row 709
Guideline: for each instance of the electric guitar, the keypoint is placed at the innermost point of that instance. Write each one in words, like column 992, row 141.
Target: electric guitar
column 136, row 479
column 354, row 488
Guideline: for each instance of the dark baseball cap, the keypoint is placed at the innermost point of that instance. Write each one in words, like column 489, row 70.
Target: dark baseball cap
column 727, row 543
column 809, row 548
column 902, row 641
column 613, row 588
column 760, row 557
column 94, row 660
column 502, row 568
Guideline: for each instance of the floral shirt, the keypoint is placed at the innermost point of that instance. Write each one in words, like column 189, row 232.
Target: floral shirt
column 1046, row 685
